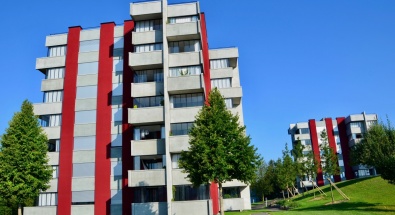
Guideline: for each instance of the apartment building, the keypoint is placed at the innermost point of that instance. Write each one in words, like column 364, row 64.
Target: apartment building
column 342, row 133
column 118, row 103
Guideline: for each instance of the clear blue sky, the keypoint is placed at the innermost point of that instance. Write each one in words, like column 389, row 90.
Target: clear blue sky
column 299, row 60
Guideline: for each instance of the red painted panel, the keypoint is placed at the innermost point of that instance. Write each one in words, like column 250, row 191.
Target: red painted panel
column 127, row 161
column 103, row 121
column 206, row 57
column 341, row 124
column 316, row 150
column 332, row 141
column 68, row 117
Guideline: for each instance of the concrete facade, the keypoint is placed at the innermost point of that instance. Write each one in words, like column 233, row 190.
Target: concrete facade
column 118, row 121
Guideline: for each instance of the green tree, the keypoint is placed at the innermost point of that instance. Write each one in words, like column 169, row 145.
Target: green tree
column 266, row 184
column 219, row 149
column 377, row 149
column 23, row 162
column 288, row 170
column 328, row 160
column 257, row 185
column 299, row 159
column 311, row 167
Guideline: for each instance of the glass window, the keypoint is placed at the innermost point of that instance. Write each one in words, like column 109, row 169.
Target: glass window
column 228, row 103
column 89, row 45
column 174, row 160
column 305, row 131
column 183, row 19
column 54, row 73
column 148, row 47
column 47, row 199
column 83, row 169
column 219, row 63
column 188, row 192
column 185, row 70
column 187, row 100
column 149, row 194
column 180, row 128
column 50, row 120
column 56, row 51
column 88, row 68
column 85, row 117
column 231, row 192
column 86, row 92
column 142, row 76
column 356, row 124
column 53, row 96
column 152, row 101
column 53, row 145
column 184, row 46
column 84, row 143
column 82, row 197
column 148, row 25
column 221, row 83
column 55, row 173
column 118, row 43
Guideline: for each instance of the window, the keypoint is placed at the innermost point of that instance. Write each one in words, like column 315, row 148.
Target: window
column 370, row 123
column 85, row 117
column 47, row 199
column 188, row 192
column 174, row 160
column 184, row 46
column 82, row 197
column 88, row 68
column 185, row 70
column 187, row 100
column 221, row 83
column 219, row 63
column 55, row 173
column 148, row 101
column 231, row 192
column 53, row 96
column 53, row 145
column 50, row 120
column 181, row 128
column 148, row 47
column 149, row 132
column 183, row 19
column 148, row 76
column 149, row 194
column 89, row 45
column 86, row 92
column 356, row 124
column 229, row 103
column 83, row 169
column 118, row 43
column 84, row 143
column 151, row 163
column 56, row 51
column 148, row 25
column 305, row 131
column 306, row 142
column 54, row 73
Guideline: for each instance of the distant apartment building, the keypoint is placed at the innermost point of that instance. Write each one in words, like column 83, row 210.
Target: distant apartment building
column 342, row 133
column 118, row 103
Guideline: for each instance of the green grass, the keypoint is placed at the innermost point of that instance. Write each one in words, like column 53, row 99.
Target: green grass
column 367, row 196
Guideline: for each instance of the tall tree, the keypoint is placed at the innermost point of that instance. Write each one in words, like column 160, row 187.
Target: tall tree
column 299, row 160
column 329, row 160
column 311, row 168
column 377, row 149
column 257, row 185
column 219, row 149
column 24, row 169
column 288, row 169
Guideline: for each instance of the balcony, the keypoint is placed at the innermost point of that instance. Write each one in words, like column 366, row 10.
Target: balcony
column 234, row 183
column 186, row 114
column 147, row 37
column 47, row 108
column 52, row 132
column 56, row 40
column 145, row 115
column 184, row 9
column 40, row 210
column 146, row 10
column 145, row 60
column 151, row 208
column 53, row 185
column 53, row 158
column 143, row 178
column 221, row 73
column 148, row 147
column 147, row 89
column 50, row 62
column 52, row 84
column 179, row 178
column 185, row 84
column 185, row 59
column 224, row 53
column 179, row 143
column 197, row 207
column 183, row 31
column 232, row 92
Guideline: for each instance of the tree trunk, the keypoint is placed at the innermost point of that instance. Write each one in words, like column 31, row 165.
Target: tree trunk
column 221, row 199
column 283, row 195
column 19, row 209
column 333, row 201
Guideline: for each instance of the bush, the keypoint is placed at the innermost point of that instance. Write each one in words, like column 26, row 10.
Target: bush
column 286, row 204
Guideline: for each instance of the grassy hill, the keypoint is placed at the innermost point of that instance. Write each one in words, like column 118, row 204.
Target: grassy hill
column 367, row 196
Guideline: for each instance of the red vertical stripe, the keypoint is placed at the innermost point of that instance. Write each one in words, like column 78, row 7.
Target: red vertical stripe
column 341, row 124
column 207, row 85
column 316, row 150
column 127, row 161
column 103, row 121
column 332, row 141
column 206, row 57
column 68, row 117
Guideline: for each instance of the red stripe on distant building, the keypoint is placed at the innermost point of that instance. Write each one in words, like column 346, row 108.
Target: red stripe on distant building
column 206, row 57
column 341, row 124
column 316, row 150
column 332, row 142
column 127, row 161
column 103, row 121
column 207, row 86
column 68, row 117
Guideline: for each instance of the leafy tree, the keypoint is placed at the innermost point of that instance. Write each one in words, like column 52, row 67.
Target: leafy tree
column 377, row 149
column 328, row 159
column 288, row 171
column 219, row 148
column 299, row 159
column 23, row 162
column 311, row 167
column 257, row 185
column 266, row 184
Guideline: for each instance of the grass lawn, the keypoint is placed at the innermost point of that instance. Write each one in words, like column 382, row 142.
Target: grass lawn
column 367, row 196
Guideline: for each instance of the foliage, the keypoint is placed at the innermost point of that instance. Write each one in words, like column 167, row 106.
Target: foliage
column 219, row 148
column 311, row 165
column 266, row 183
column 23, row 161
column 299, row 161
column 328, row 157
column 377, row 149
column 286, row 170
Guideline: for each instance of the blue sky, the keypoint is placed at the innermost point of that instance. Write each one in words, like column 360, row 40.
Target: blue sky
column 299, row 60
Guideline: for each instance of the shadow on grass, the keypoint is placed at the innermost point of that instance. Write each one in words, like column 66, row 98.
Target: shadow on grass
column 347, row 206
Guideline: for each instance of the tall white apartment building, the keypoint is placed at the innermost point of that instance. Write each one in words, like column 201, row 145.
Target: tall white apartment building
column 118, row 104
column 342, row 133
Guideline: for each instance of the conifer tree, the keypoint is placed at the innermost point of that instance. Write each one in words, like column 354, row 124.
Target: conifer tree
column 24, row 170
column 219, row 149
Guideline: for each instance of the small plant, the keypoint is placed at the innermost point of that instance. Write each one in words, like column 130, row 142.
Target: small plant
column 170, row 133
column 134, row 106
column 227, row 196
